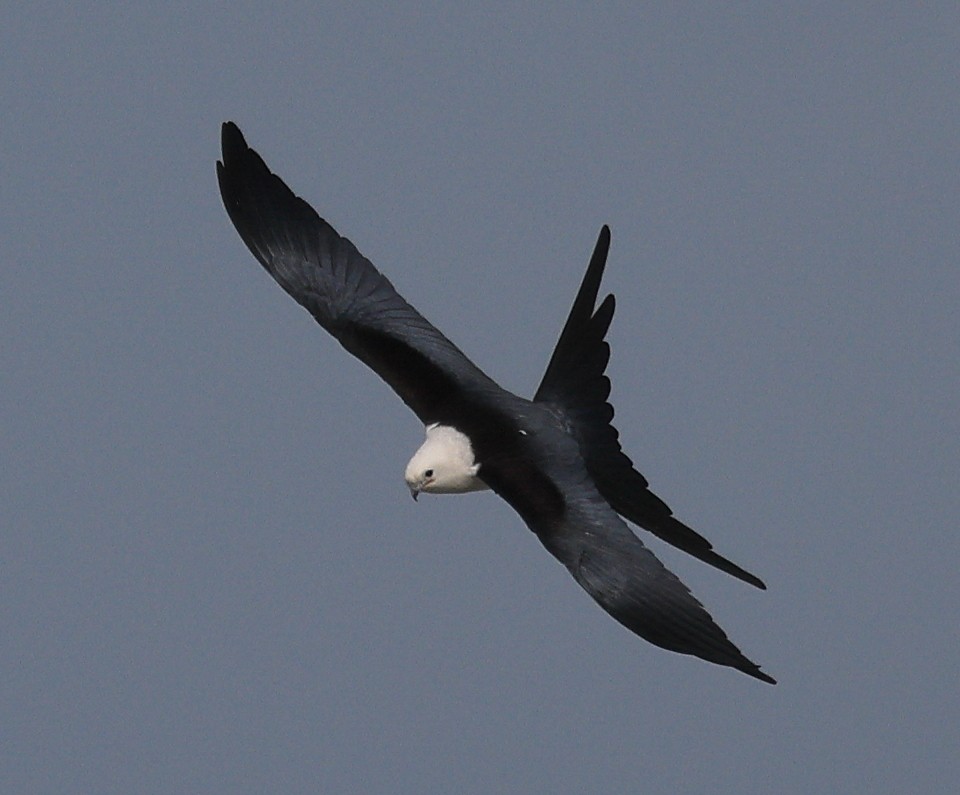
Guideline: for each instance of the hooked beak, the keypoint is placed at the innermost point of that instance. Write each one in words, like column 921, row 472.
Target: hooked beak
column 414, row 492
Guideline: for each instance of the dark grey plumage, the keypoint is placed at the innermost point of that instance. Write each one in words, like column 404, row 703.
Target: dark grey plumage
column 556, row 460
column 575, row 382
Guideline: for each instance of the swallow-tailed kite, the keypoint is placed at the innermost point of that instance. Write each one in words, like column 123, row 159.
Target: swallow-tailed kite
column 555, row 459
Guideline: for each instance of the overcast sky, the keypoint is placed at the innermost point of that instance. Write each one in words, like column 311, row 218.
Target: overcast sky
column 212, row 577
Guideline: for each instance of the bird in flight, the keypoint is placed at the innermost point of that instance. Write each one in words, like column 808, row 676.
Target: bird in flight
column 555, row 459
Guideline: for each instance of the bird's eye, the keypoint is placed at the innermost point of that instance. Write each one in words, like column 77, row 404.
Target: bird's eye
column 428, row 473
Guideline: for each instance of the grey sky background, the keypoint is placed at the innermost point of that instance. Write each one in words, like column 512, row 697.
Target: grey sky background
column 212, row 578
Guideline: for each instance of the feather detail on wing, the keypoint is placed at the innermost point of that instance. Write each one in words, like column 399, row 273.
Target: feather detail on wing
column 348, row 296
column 629, row 582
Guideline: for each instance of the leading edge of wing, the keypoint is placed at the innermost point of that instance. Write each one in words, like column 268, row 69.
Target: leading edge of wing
column 326, row 274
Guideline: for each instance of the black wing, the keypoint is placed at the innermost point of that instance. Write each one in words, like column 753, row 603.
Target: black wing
column 346, row 294
column 627, row 580
column 575, row 383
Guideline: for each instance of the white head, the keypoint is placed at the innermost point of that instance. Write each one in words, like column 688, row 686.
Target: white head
column 444, row 464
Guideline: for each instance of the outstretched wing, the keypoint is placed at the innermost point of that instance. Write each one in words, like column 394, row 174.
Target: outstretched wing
column 575, row 384
column 346, row 294
column 633, row 586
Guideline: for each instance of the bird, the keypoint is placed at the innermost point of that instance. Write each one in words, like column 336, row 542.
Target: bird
column 556, row 459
